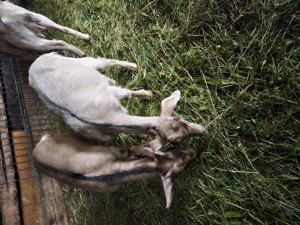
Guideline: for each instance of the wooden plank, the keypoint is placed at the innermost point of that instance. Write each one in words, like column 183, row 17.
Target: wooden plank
column 17, row 203
column 54, row 209
column 29, row 192
column 54, row 205
column 9, row 193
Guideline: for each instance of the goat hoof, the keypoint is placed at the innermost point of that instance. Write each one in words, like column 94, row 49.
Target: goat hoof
column 90, row 40
column 148, row 94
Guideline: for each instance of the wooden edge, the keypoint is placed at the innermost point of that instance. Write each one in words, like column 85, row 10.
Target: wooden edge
column 54, row 208
column 53, row 205
column 28, row 188
column 8, row 190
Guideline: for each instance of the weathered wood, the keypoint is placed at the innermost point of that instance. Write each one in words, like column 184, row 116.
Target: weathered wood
column 31, row 206
column 9, row 193
column 11, row 94
column 54, row 209
column 38, row 200
column 8, row 190
column 54, row 206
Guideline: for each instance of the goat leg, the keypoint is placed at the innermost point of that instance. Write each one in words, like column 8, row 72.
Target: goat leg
column 52, row 45
column 104, row 63
column 141, row 94
column 46, row 22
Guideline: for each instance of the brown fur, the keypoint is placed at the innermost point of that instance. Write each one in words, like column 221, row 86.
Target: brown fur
column 77, row 161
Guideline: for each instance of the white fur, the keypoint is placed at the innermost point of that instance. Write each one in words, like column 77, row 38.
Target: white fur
column 90, row 103
column 21, row 33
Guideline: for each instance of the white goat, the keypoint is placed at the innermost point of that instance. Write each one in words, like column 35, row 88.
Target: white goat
column 90, row 104
column 21, row 33
column 71, row 159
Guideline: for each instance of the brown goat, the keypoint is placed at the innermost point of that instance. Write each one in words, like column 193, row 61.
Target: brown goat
column 74, row 160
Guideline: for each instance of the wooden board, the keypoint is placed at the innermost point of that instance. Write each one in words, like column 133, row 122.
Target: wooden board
column 25, row 199
column 9, row 193
column 53, row 206
column 29, row 191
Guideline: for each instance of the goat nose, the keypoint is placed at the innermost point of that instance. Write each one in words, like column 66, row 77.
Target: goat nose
column 192, row 153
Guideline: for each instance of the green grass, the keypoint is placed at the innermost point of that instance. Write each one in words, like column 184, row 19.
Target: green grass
column 237, row 66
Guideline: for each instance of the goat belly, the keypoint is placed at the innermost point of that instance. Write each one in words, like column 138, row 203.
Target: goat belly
column 99, row 183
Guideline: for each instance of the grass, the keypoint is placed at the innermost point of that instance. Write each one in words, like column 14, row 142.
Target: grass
column 237, row 66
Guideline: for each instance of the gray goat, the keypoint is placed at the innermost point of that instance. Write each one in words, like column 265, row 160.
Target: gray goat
column 90, row 104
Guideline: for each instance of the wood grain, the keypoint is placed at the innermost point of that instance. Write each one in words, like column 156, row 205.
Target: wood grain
column 31, row 206
column 53, row 205
column 8, row 190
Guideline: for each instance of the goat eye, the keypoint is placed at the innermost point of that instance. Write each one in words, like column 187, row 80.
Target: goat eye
column 176, row 118
column 123, row 151
column 175, row 127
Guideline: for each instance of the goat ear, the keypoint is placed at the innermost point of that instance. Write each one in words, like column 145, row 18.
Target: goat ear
column 157, row 144
column 168, row 104
column 171, row 171
column 167, row 184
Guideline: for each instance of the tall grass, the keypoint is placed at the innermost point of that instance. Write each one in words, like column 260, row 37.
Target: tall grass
column 237, row 66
